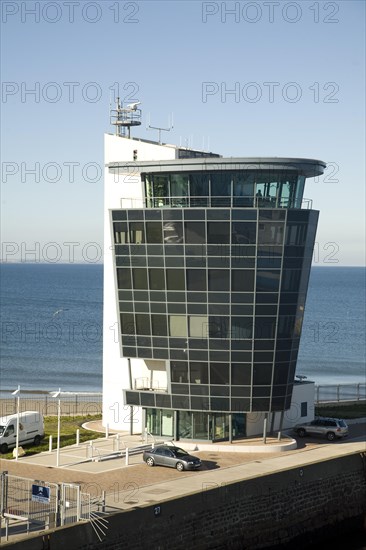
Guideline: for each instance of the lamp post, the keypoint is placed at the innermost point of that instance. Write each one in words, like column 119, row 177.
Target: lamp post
column 17, row 393
column 58, row 394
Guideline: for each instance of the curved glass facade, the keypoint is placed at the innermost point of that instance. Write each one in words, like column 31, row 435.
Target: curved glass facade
column 229, row 188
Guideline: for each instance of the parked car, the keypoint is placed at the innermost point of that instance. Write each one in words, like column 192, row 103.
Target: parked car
column 331, row 428
column 174, row 457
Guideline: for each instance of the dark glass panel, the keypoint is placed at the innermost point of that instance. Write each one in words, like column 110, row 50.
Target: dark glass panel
column 262, row 374
column 137, row 232
column 119, row 215
column 142, row 324
column 265, row 327
column 244, row 215
column 242, row 280
column 269, row 263
column 220, row 404
column 246, row 298
column 198, row 355
column 266, row 298
column 198, row 372
column 240, row 405
column 154, row 233
column 180, row 402
column 275, row 215
column 261, row 391
column 194, row 214
column 196, row 279
column 241, row 327
column 199, row 187
column 156, row 279
column 219, row 327
column 174, row 214
column 124, row 278
column 157, row 308
column 197, row 309
column 135, row 214
column 221, row 214
column 244, row 232
column 178, row 354
column 179, row 371
column 280, row 374
column 152, row 214
column 268, row 281
column 196, row 389
column 129, row 352
column 239, row 356
column 218, row 309
column 263, row 356
column 161, row 353
column 286, row 326
column 176, row 308
column 132, row 398
column 159, row 327
column 270, row 233
column 141, row 307
column 139, row 279
column 260, row 404
column 195, row 232
column 242, row 309
column 243, row 188
column 241, row 391
column 200, row 403
column 127, row 323
column 173, row 232
column 180, row 389
column 147, row 399
column 278, row 404
column 241, row 374
column 218, row 232
column 219, row 356
column 219, row 373
column 219, row 391
column 220, row 189
column 163, row 401
column 279, row 390
column 218, row 280
column 175, row 279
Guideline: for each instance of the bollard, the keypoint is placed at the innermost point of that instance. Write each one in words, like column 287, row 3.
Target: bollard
column 107, row 431
column 77, row 437
column 50, row 444
column 279, row 436
column 265, row 431
column 117, row 441
column 127, row 462
column 91, row 449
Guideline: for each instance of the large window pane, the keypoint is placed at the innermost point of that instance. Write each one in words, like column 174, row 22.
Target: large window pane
column 142, row 324
column 178, row 326
column 137, row 232
column 179, row 189
column 241, row 328
column 244, row 232
column 219, row 373
column 195, row 232
column 127, row 323
column 139, row 279
column 160, row 190
column 241, row 374
column 219, row 280
column 159, row 325
column 124, row 278
column 265, row 327
column 219, row 327
column 218, row 232
column 198, row 326
column 270, row 233
column 268, row 281
column 156, row 279
column 196, row 279
column 120, row 233
column 262, row 374
column 154, row 232
column 173, row 232
column 175, row 279
column 198, row 373
column 220, row 189
column 242, row 280
column 199, row 188
column 179, row 372
column 243, row 188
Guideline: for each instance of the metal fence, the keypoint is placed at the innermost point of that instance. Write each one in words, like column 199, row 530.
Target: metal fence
column 72, row 404
column 340, row 392
column 30, row 505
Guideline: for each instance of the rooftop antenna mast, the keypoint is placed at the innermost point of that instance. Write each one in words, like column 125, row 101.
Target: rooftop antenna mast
column 160, row 129
column 125, row 117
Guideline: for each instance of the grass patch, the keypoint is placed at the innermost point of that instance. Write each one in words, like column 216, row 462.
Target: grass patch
column 69, row 425
column 342, row 410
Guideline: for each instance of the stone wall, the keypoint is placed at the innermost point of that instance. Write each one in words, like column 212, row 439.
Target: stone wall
column 302, row 504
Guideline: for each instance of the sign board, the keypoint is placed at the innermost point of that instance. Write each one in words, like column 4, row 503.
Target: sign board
column 40, row 494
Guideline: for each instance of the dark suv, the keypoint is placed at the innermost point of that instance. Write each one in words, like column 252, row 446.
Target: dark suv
column 331, row 428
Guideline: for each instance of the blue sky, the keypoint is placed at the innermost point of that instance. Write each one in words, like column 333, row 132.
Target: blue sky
column 297, row 69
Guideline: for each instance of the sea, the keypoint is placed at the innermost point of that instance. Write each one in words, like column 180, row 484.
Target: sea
column 51, row 327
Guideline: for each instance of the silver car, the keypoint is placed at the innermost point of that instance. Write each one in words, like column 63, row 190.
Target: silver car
column 331, row 428
column 175, row 457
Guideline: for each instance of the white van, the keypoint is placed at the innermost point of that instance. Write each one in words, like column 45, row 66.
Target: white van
column 31, row 429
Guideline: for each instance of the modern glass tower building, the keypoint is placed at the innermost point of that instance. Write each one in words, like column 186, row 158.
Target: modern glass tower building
column 205, row 287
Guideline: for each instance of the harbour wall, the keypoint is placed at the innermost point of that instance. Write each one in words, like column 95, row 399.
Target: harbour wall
column 290, row 508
